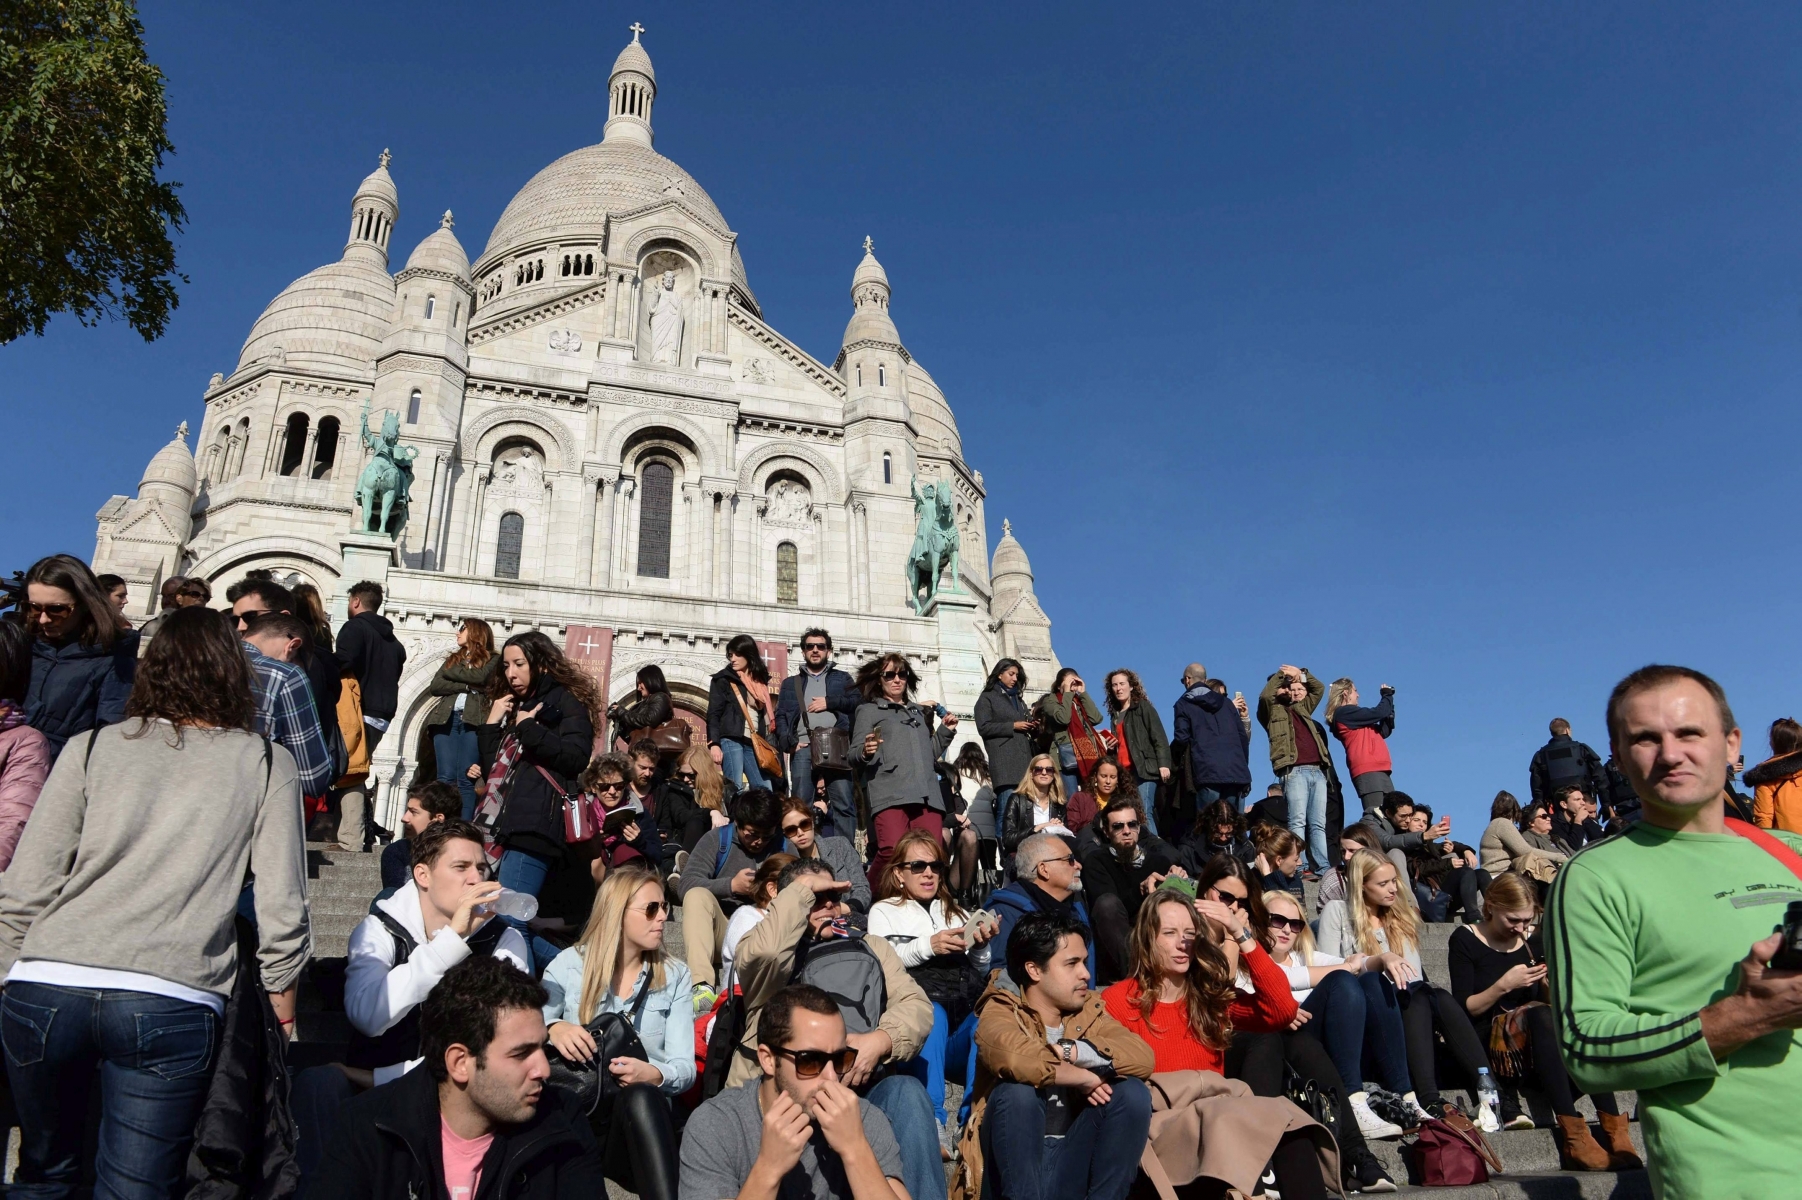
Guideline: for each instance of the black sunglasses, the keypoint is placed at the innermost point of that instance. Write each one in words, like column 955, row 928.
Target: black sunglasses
column 894, row 674
column 1281, row 922
column 919, row 866
column 809, row 1063
column 687, row 776
column 815, row 646
column 1230, row 900
column 618, row 785
column 1123, row 826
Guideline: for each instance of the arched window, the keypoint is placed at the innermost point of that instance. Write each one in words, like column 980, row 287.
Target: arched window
column 588, row 264
column 788, row 574
column 431, row 306
column 294, row 449
column 413, row 402
column 655, row 498
column 325, row 449
column 457, row 313
column 506, row 548
column 888, row 469
column 859, row 374
column 881, row 375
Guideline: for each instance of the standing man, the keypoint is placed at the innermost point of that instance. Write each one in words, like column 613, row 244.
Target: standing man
column 817, row 698
column 1563, row 761
column 169, row 601
column 1300, row 755
column 286, row 713
column 1652, row 984
column 1219, row 744
column 374, row 657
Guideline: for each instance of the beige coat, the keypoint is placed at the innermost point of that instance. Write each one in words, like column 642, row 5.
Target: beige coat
column 765, row 962
column 1011, row 1048
column 1502, row 848
column 1205, row 1125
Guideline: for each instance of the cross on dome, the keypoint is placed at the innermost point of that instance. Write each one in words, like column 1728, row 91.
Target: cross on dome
column 636, row 29
column 385, row 159
column 869, row 247
column 446, row 221
column 1007, row 527
column 181, row 432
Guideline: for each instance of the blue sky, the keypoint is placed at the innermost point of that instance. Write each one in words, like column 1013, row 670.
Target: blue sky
column 1449, row 346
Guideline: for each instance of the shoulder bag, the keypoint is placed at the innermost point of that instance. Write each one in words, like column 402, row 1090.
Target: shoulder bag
column 615, row 1036
column 1449, row 1151
column 671, row 737
column 1770, row 845
column 768, row 761
column 580, row 821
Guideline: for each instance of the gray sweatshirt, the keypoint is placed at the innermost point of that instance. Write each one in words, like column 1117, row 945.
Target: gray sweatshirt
column 902, row 771
column 135, row 855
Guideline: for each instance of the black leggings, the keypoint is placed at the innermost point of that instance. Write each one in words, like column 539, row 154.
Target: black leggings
column 1257, row 1060
column 1426, row 1009
column 1546, row 1070
column 639, row 1142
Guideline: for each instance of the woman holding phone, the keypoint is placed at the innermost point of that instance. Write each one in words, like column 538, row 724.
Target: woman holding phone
column 898, row 751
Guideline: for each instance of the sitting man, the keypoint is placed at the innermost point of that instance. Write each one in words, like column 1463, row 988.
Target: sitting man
column 1060, row 1106
column 646, row 778
column 717, row 879
column 797, row 1130
column 1575, row 822
column 806, row 937
column 426, row 803
column 1047, row 878
column 479, row 1113
column 1121, row 871
column 397, row 955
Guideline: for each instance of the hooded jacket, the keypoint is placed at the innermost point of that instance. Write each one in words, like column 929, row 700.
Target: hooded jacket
column 1362, row 732
column 76, row 687
column 370, row 651
column 1777, row 792
column 389, row 1145
column 1274, row 707
column 1219, row 747
column 902, row 770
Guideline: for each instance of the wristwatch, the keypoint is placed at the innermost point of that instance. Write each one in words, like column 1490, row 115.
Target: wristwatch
column 1244, row 936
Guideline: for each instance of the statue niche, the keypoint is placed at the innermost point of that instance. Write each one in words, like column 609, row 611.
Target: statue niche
column 666, row 302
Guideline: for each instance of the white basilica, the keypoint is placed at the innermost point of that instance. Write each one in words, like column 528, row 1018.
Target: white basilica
column 614, row 446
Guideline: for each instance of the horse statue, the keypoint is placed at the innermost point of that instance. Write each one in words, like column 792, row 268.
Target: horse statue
column 935, row 543
column 389, row 475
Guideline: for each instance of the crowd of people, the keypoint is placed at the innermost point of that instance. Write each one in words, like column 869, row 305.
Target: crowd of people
column 1079, row 920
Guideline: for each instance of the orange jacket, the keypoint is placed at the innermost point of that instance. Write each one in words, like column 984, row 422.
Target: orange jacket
column 1777, row 800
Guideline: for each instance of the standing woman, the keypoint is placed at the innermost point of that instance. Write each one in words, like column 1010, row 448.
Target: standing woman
column 1040, row 806
column 620, row 967
column 1364, row 733
column 649, row 707
column 1498, row 975
column 81, row 663
column 117, row 914
column 1377, row 918
column 462, row 684
column 978, row 821
column 738, row 705
column 545, row 706
column 1071, row 716
column 1144, row 750
column 1006, row 726
column 898, row 749
column 24, row 751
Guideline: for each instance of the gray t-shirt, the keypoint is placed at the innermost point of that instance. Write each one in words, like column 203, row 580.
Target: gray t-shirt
column 722, row 1140
column 813, row 687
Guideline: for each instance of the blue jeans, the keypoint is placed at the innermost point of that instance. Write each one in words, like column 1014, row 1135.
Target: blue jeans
column 1066, row 765
column 155, row 1056
column 903, row 1101
column 1096, row 1159
column 841, row 798
column 456, row 752
column 944, row 1045
column 1358, row 1018
column 1148, row 796
column 1002, row 796
column 738, row 760
column 1305, row 790
column 523, row 872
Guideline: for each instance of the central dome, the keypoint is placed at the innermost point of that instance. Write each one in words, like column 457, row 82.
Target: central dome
column 572, row 197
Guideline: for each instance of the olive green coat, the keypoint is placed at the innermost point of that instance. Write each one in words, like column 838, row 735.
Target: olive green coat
column 1273, row 715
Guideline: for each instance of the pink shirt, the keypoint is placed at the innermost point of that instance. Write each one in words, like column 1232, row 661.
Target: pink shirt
column 463, row 1161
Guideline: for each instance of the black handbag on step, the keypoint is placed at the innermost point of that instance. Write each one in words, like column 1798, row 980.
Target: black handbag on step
column 615, row 1036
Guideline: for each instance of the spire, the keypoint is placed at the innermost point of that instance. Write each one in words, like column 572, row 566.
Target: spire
column 373, row 211
column 1010, row 573
column 869, row 303
column 630, row 91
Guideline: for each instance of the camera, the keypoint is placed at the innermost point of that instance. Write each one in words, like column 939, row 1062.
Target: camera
column 1789, row 954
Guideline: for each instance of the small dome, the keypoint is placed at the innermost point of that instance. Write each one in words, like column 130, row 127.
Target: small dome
column 869, row 270
column 173, row 465
column 379, row 184
column 1010, row 571
column 870, row 321
column 334, row 317
column 441, row 252
column 634, row 58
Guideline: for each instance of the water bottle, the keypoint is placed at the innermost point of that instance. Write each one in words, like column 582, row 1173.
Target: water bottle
column 517, row 905
column 1487, row 1096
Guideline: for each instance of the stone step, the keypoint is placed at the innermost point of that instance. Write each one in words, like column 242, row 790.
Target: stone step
column 1548, row 1185
column 1523, row 1152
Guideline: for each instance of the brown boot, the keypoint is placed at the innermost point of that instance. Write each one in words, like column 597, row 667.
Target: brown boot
column 1622, row 1155
column 1577, row 1150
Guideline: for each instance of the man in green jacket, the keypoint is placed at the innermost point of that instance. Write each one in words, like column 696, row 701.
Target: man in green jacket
column 1644, row 934
column 1299, row 754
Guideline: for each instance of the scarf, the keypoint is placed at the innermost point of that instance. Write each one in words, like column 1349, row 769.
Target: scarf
column 759, row 692
column 11, row 715
column 494, row 796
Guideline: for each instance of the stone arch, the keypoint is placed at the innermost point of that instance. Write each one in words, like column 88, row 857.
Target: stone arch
column 286, row 548
column 482, row 435
column 627, row 431
column 672, row 237
column 809, row 463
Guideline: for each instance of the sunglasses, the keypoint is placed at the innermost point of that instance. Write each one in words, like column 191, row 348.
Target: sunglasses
column 1068, row 858
column 797, row 827
column 809, row 1063
column 1123, row 826
column 1281, row 922
column 49, row 610
column 249, row 615
column 894, row 674
column 655, row 909
column 1044, row 770
column 618, row 785
column 687, row 776
column 920, row 866
column 815, row 646
column 1228, row 899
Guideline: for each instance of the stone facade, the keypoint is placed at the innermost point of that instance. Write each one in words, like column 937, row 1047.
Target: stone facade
column 614, row 446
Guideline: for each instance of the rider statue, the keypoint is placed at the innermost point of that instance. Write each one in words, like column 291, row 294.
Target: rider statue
column 389, row 475
column 935, row 542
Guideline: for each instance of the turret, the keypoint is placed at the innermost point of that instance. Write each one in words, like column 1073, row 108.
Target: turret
column 878, row 422
column 631, row 89
column 142, row 539
column 433, row 295
column 373, row 212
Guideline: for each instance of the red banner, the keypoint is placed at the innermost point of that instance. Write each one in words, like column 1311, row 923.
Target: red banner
column 592, row 647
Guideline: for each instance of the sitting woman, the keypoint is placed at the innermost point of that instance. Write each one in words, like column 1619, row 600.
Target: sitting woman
column 1280, row 851
column 1351, row 1004
column 1498, row 975
column 746, row 916
column 800, row 827
column 689, row 803
column 620, row 967
column 1106, row 782
column 1181, row 1000
column 916, row 912
column 1353, row 839
column 627, row 832
column 1504, row 848
column 1377, row 917
column 1037, row 806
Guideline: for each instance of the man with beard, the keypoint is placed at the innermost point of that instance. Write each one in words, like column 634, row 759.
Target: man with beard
column 1047, row 878
column 1122, row 870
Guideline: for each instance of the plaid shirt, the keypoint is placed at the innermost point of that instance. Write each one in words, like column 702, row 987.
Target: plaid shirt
column 287, row 715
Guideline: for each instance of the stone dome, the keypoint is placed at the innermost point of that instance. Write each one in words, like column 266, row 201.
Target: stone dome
column 441, row 252
column 572, row 197
column 173, row 465
column 334, row 317
column 870, row 321
column 378, row 184
column 634, row 58
column 1009, row 572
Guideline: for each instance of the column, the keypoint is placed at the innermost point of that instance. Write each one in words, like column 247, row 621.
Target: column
column 622, row 524
column 591, row 479
column 478, row 496
column 428, row 508
column 547, row 506
column 441, row 556
column 694, row 553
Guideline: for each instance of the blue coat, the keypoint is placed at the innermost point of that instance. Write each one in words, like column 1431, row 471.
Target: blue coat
column 76, row 687
column 842, row 699
column 1013, row 902
column 1219, row 747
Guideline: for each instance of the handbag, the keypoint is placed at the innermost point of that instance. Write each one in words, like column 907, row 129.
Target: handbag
column 768, row 761
column 1509, row 1042
column 671, row 737
column 615, row 1036
column 1451, row 1152
column 1321, row 1103
column 579, row 821
column 830, row 749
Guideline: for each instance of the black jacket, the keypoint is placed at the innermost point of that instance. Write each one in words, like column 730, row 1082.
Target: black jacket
column 369, row 651
column 75, row 687
column 560, row 739
column 1573, row 835
column 1103, row 874
column 641, row 713
column 324, row 677
column 725, row 719
column 1219, row 746
column 842, row 699
column 1561, row 762
column 388, row 1145
column 680, row 818
column 1018, row 826
column 1009, row 750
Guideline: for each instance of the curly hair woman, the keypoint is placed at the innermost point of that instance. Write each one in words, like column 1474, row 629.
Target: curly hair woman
column 1144, row 750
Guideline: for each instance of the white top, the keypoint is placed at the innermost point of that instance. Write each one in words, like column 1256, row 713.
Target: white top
column 1299, row 981
column 1336, row 936
column 744, row 919
column 908, row 926
column 71, row 975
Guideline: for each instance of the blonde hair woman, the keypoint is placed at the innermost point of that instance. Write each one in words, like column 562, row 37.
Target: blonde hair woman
column 1378, row 917
column 1037, row 805
column 619, row 967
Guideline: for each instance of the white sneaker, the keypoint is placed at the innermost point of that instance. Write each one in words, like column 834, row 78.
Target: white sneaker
column 1373, row 1127
column 1412, row 1102
column 1487, row 1121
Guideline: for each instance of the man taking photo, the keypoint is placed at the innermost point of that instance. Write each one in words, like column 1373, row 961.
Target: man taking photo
column 1646, row 942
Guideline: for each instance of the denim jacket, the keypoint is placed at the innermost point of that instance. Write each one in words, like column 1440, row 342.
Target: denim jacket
column 666, row 1027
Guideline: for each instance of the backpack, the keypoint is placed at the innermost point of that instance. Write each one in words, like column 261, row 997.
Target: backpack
column 399, row 1043
column 848, row 971
column 723, row 1037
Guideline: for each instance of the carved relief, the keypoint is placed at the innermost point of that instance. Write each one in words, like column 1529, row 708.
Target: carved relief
column 788, row 504
column 566, row 341
column 759, row 370
column 519, row 471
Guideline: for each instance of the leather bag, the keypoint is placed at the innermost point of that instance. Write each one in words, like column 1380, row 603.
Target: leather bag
column 615, row 1036
column 830, row 749
column 671, row 737
column 580, row 822
column 768, row 761
column 1451, row 1152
